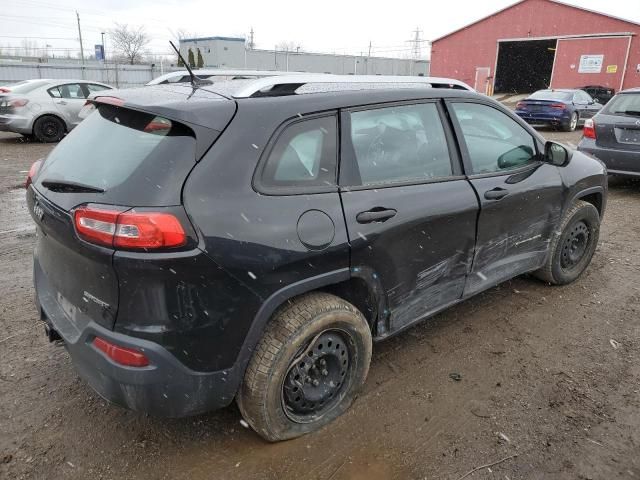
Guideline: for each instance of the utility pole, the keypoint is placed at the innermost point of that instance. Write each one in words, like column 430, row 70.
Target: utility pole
column 416, row 43
column 368, row 58
column 104, row 50
column 80, row 36
column 251, row 42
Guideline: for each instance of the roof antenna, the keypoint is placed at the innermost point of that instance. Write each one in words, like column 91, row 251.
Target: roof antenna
column 195, row 80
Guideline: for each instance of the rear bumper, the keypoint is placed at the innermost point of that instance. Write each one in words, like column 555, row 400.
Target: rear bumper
column 165, row 388
column 618, row 162
column 15, row 123
column 544, row 118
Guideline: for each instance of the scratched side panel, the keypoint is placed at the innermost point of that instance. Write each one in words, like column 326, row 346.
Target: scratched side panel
column 514, row 232
column 422, row 255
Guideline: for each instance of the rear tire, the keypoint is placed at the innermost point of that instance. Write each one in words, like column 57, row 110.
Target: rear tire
column 48, row 129
column 573, row 123
column 572, row 245
column 307, row 368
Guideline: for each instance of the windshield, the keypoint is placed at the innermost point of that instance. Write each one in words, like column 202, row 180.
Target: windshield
column 624, row 104
column 551, row 95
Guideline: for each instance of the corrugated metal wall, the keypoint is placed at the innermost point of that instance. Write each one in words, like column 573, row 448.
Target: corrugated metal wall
column 120, row 76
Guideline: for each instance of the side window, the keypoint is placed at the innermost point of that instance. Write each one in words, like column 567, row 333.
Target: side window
column 584, row 97
column 54, row 92
column 495, row 141
column 303, row 156
column 93, row 87
column 71, row 90
column 400, row 144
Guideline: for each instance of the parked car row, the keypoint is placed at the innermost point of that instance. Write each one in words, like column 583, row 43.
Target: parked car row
column 45, row 109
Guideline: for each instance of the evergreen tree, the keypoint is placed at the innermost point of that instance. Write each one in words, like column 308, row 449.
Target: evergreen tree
column 200, row 61
column 180, row 62
column 191, row 60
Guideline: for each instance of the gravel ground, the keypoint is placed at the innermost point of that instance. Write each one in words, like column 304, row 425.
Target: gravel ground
column 550, row 383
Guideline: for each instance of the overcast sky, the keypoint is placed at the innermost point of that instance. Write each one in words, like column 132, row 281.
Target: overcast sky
column 326, row 26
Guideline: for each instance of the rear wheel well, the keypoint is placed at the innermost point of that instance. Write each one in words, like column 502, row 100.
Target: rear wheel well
column 594, row 199
column 357, row 292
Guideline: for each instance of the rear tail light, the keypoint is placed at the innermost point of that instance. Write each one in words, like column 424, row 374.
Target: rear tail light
column 558, row 106
column 589, row 130
column 130, row 229
column 33, row 171
column 88, row 108
column 129, row 357
column 521, row 105
column 4, row 90
column 18, row 102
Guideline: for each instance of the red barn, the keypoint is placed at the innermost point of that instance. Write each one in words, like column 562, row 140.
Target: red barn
column 537, row 44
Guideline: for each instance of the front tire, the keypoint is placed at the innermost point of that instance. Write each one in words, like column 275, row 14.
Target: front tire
column 48, row 129
column 572, row 245
column 307, row 368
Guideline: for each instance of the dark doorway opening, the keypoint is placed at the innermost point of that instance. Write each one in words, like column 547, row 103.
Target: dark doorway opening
column 524, row 66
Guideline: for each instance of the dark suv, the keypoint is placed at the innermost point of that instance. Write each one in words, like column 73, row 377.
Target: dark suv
column 249, row 240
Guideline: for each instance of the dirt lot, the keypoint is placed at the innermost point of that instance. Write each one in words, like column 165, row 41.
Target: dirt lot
column 550, row 381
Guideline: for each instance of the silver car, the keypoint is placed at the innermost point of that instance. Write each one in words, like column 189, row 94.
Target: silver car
column 45, row 109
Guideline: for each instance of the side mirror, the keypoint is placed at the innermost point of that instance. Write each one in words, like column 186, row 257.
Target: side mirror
column 556, row 154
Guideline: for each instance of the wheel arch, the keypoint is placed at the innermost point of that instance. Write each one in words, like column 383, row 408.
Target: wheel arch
column 49, row 114
column 349, row 284
column 594, row 196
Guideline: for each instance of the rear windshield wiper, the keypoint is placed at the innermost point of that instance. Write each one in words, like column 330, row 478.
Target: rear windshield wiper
column 635, row 113
column 64, row 186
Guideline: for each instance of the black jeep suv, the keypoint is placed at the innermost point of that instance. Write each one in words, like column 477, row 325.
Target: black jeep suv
column 250, row 239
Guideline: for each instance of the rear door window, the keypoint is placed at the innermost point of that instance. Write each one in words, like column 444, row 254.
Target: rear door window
column 71, row 91
column 303, row 159
column 403, row 143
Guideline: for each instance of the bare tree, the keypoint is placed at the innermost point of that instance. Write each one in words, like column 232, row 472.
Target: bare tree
column 179, row 35
column 289, row 46
column 129, row 42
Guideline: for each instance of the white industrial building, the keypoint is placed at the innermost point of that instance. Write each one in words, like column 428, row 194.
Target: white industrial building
column 233, row 53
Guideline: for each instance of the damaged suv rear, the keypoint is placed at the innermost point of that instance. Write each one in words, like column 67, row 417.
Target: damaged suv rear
column 250, row 241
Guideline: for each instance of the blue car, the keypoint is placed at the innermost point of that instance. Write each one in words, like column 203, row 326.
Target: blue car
column 558, row 108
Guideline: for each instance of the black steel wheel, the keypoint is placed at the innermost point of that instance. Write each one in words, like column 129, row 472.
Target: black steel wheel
column 572, row 245
column 48, row 129
column 308, row 367
column 318, row 376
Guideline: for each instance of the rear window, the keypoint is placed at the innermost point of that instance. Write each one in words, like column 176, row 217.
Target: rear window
column 624, row 104
column 551, row 95
column 127, row 153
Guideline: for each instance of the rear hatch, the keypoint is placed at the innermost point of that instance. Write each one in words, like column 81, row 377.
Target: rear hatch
column 618, row 125
column 117, row 160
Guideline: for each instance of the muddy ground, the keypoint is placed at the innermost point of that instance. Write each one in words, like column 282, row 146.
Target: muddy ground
column 548, row 374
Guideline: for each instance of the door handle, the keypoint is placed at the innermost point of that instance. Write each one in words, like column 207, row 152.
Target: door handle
column 62, row 102
column 377, row 214
column 496, row 194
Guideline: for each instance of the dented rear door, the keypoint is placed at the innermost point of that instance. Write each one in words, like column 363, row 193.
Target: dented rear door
column 411, row 216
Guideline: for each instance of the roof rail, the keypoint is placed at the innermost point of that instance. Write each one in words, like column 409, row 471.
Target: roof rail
column 288, row 84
